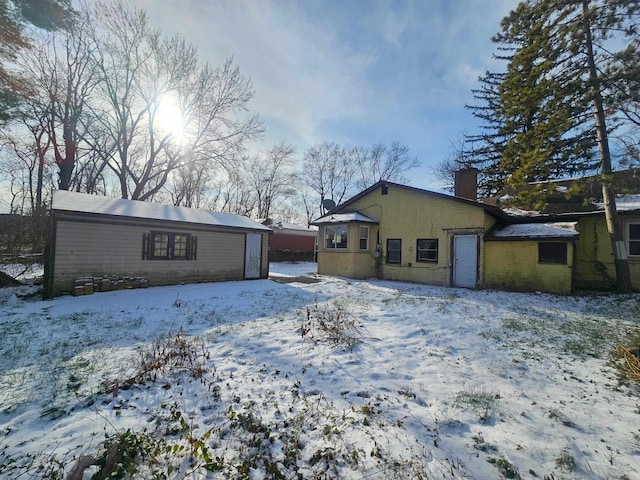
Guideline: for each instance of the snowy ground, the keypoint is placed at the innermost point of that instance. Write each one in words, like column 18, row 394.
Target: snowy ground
column 328, row 379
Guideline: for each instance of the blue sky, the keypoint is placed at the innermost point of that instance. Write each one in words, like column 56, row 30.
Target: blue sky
column 351, row 71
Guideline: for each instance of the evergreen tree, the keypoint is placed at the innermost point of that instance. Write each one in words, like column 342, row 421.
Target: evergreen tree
column 547, row 111
column 15, row 17
column 534, row 112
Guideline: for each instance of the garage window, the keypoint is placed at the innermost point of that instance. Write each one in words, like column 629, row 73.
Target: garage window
column 552, row 253
column 168, row 246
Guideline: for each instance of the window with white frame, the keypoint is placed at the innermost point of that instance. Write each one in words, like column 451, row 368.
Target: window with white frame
column 335, row 237
column 634, row 239
column 364, row 237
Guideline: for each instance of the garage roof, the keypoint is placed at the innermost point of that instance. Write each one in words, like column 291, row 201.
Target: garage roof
column 118, row 207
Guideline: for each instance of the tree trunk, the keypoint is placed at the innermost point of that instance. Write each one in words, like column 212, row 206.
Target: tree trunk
column 623, row 275
column 40, row 181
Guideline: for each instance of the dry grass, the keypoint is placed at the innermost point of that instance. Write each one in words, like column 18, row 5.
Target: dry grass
column 629, row 362
column 626, row 356
column 175, row 353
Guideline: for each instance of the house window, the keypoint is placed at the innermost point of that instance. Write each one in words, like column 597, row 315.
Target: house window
column 168, row 246
column 364, row 238
column 394, row 250
column 552, row 252
column 634, row 239
column 335, row 237
column 427, row 250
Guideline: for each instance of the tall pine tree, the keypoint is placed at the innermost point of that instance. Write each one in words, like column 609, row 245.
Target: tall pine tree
column 547, row 110
column 532, row 112
column 15, row 18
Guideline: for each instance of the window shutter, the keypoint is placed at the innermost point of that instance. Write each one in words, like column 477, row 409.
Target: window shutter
column 145, row 246
column 194, row 247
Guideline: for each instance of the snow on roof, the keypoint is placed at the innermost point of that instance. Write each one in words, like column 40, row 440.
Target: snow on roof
column 345, row 217
column 292, row 226
column 97, row 204
column 625, row 202
column 537, row 230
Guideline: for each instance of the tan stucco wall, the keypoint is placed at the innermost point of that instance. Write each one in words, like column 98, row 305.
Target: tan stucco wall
column 93, row 249
column 514, row 265
column 407, row 215
column 351, row 262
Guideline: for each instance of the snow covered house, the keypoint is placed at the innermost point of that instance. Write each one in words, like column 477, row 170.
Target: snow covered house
column 397, row 232
column 93, row 235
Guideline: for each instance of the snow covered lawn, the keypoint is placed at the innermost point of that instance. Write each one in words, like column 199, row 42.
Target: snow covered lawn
column 329, row 379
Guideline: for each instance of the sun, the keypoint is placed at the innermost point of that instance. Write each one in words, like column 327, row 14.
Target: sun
column 169, row 119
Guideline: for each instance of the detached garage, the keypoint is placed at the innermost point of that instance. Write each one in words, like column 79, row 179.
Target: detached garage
column 93, row 236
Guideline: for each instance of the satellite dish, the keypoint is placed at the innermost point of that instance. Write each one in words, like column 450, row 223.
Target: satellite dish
column 328, row 204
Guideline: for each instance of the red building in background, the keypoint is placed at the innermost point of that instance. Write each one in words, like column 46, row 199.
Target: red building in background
column 292, row 243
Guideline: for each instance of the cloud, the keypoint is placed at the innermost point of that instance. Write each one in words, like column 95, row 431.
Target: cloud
column 302, row 74
column 356, row 71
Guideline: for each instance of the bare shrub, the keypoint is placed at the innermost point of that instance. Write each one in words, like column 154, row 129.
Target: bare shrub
column 331, row 324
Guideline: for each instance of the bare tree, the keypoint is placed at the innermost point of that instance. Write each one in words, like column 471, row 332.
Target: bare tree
column 137, row 69
column 59, row 68
column 160, row 107
column 271, row 178
column 237, row 196
column 29, row 175
column 384, row 163
column 456, row 159
column 329, row 170
column 310, row 204
column 190, row 182
column 336, row 172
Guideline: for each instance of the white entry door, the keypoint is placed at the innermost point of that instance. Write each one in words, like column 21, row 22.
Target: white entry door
column 465, row 261
column 253, row 255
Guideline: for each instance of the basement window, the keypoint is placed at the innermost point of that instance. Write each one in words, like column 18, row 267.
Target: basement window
column 168, row 246
column 634, row 239
column 552, row 253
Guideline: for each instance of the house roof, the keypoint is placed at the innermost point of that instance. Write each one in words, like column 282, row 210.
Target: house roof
column 625, row 203
column 118, row 207
column 521, row 231
column 490, row 209
column 293, row 229
column 344, row 217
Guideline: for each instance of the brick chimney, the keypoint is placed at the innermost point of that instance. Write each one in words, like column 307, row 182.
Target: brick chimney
column 466, row 183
